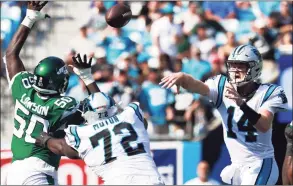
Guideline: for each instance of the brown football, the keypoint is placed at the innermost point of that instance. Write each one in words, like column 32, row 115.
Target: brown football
column 118, row 15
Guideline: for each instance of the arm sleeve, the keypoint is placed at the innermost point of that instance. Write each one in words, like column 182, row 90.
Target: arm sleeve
column 72, row 139
column 276, row 101
column 137, row 110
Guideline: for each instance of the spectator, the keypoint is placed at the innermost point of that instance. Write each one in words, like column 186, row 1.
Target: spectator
column 219, row 10
column 286, row 13
column 225, row 50
column 156, row 101
column 217, row 67
column 122, row 90
column 190, row 18
column 166, row 65
column 202, row 41
column 81, row 43
column 97, row 20
column 150, row 10
column 263, row 9
column 115, row 44
column 274, row 23
column 103, row 76
column 165, row 34
column 263, row 40
column 195, row 65
column 244, row 11
column 203, row 176
column 221, row 14
column 284, row 44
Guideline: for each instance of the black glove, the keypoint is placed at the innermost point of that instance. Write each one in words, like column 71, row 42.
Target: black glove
column 42, row 139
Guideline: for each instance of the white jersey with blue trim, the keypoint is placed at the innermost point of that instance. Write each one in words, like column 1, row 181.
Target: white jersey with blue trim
column 115, row 146
column 244, row 142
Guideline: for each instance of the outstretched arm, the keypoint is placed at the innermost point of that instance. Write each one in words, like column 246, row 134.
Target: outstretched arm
column 82, row 67
column 186, row 81
column 57, row 146
column 12, row 59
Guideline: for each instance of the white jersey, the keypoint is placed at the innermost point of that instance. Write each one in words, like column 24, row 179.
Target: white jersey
column 243, row 141
column 115, row 146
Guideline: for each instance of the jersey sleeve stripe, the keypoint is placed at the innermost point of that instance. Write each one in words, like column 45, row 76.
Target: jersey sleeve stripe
column 74, row 133
column 135, row 108
column 265, row 172
column 269, row 92
column 220, row 90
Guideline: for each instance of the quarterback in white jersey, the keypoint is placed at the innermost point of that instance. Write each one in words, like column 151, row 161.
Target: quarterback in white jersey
column 114, row 143
column 247, row 109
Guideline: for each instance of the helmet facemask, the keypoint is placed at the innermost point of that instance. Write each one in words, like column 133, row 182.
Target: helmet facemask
column 238, row 76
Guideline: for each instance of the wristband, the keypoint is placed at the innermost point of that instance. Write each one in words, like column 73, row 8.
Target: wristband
column 249, row 113
column 85, row 75
column 87, row 79
column 28, row 22
column 31, row 17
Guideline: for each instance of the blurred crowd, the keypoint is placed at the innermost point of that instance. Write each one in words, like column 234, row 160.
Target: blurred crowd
column 164, row 37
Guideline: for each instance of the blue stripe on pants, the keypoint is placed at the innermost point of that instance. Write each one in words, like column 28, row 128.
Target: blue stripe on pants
column 265, row 172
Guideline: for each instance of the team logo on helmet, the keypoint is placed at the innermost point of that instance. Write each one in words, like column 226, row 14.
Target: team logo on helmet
column 62, row 70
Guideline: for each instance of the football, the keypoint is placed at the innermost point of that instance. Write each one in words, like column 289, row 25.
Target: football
column 118, row 15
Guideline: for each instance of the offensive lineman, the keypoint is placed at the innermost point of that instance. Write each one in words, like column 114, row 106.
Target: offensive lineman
column 114, row 143
column 247, row 109
column 38, row 106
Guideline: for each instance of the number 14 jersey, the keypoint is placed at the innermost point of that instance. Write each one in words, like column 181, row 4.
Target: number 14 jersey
column 115, row 146
column 244, row 142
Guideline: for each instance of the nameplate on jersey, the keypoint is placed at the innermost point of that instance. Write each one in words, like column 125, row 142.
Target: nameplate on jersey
column 26, row 101
column 104, row 123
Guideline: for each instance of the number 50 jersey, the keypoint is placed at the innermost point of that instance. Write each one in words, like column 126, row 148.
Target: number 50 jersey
column 244, row 142
column 118, row 145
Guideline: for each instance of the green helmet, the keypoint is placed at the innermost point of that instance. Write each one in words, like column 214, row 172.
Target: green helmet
column 51, row 76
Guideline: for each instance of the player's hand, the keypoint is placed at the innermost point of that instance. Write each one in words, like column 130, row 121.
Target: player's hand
column 171, row 80
column 82, row 68
column 36, row 5
column 34, row 8
column 82, row 63
column 231, row 93
column 42, row 139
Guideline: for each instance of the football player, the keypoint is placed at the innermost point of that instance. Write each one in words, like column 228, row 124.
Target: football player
column 247, row 109
column 39, row 106
column 114, row 143
column 287, row 172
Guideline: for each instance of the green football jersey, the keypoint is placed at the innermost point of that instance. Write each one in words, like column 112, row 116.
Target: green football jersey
column 34, row 114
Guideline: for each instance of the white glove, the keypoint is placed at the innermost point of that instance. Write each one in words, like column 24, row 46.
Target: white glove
column 84, row 74
column 32, row 16
column 83, row 69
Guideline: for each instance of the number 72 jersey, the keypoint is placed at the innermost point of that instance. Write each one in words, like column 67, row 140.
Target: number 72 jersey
column 120, row 142
column 244, row 141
